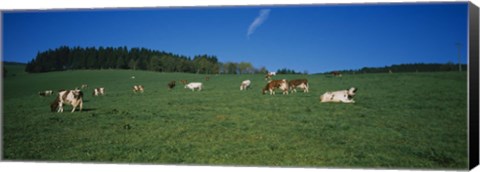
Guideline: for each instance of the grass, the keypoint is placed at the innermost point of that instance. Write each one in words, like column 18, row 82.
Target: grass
column 400, row 120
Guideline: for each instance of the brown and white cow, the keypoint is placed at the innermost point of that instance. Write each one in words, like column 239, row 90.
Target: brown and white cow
column 298, row 83
column 98, row 91
column 336, row 74
column 344, row 96
column 45, row 93
column 272, row 85
column 171, row 85
column 71, row 97
column 138, row 88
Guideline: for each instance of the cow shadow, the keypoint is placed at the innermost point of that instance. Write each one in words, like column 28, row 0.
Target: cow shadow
column 88, row 109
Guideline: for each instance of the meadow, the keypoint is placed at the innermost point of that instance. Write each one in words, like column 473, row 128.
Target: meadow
column 399, row 120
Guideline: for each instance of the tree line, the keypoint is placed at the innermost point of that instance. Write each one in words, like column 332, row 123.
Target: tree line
column 415, row 67
column 68, row 58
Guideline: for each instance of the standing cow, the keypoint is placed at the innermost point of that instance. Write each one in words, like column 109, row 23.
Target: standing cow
column 245, row 84
column 71, row 97
column 272, row 85
column 298, row 83
column 45, row 93
column 98, row 91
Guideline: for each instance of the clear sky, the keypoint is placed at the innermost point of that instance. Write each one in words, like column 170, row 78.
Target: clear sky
column 313, row 38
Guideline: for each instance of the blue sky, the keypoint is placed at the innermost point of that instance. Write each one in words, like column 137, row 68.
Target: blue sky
column 313, row 38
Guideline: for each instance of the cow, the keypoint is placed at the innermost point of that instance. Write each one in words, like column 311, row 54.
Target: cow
column 300, row 83
column 244, row 85
column 280, row 84
column 194, row 85
column 71, row 97
column 138, row 88
column 98, row 91
column 171, row 85
column 345, row 96
column 269, row 75
column 45, row 93
column 83, row 86
column 336, row 74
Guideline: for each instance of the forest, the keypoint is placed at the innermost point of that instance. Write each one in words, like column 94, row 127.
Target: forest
column 67, row 58
column 413, row 67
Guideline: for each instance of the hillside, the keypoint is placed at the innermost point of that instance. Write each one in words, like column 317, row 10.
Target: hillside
column 389, row 125
column 13, row 69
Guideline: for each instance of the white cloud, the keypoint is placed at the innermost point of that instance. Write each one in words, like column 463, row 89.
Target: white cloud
column 262, row 17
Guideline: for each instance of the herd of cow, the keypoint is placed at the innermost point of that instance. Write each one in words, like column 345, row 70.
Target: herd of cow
column 75, row 97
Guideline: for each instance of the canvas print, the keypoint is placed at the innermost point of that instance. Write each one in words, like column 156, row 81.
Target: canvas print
column 315, row 86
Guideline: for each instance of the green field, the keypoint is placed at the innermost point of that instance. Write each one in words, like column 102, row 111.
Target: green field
column 399, row 120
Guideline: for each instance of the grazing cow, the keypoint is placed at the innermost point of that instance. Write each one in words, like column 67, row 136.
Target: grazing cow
column 72, row 97
column 280, row 84
column 194, row 85
column 138, row 88
column 336, row 74
column 84, row 86
column 184, row 81
column 171, row 85
column 245, row 84
column 99, row 91
column 300, row 83
column 345, row 96
column 45, row 93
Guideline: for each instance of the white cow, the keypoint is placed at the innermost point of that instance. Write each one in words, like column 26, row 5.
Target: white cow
column 194, row 85
column 45, row 93
column 345, row 96
column 99, row 91
column 245, row 84
column 72, row 97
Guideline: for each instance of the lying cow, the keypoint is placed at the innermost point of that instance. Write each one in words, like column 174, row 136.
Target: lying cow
column 298, row 83
column 345, row 96
column 71, row 97
column 171, row 85
column 138, row 88
column 194, row 85
column 98, row 91
column 45, row 93
column 272, row 85
column 245, row 84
